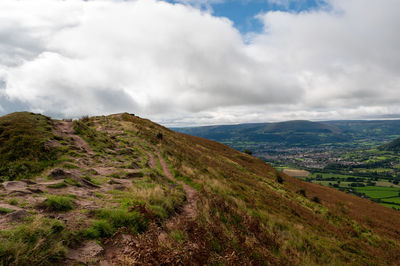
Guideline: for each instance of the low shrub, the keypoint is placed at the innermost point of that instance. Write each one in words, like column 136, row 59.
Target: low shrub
column 316, row 199
column 279, row 179
column 302, row 192
column 58, row 203
column 247, row 151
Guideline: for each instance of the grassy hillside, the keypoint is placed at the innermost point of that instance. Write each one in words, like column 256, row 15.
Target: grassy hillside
column 150, row 195
column 23, row 149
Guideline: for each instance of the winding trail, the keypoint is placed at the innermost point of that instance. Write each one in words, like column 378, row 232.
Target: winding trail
column 142, row 249
column 189, row 209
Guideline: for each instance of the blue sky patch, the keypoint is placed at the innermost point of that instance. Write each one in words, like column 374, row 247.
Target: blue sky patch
column 243, row 12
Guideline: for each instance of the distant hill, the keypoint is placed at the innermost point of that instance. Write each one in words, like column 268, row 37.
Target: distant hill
column 391, row 146
column 298, row 133
column 122, row 190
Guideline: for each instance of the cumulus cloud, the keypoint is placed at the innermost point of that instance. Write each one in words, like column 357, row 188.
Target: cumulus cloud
column 180, row 65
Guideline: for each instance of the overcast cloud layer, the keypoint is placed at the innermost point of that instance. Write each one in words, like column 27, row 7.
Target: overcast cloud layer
column 178, row 65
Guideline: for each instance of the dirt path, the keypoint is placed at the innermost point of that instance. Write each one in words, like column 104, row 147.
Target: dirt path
column 152, row 160
column 144, row 249
column 189, row 210
column 66, row 130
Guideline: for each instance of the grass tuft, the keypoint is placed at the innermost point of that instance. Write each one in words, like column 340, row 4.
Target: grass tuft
column 36, row 243
column 109, row 221
column 58, row 203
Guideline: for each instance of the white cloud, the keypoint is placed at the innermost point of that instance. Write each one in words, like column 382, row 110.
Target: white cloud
column 177, row 64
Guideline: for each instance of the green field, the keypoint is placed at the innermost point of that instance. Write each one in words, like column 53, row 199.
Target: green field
column 379, row 192
column 393, row 200
column 391, row 205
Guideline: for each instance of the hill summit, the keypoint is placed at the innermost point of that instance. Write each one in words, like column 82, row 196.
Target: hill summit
column 120, row 189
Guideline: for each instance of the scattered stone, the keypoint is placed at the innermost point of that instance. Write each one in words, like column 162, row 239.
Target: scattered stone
column 17, row 215
column 134, row 174
column 87, row 253
column 119, row 187
column 115, row 181
column 35, row 190
column 53, row 182
column 14, row 185
column 59, row 173
column 88, row 183
column 120, row 184
column 28, row 181
column 19, row 192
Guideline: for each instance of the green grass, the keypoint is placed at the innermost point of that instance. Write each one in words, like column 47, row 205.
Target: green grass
column 70, row 166
column 97, row 140
column 392, row 200
column 5, row 210
column 177, row 235
column 72, row 182
column 23, row 152
column 58, row 203
column 38, row 242
column 13, row 201
column 378, row 192
column 109, row 221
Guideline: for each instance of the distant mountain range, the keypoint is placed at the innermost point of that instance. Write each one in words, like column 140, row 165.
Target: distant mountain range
column 300, row 133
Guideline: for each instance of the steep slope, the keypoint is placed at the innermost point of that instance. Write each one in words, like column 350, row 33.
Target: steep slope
column 151, row 195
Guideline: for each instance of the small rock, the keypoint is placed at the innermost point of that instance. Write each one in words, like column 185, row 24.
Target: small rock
column 115, row 181
column 28, row 181
column 53, row 182
column 59, row 173
column 35, row 190
column 14, row 185
column 88, row 252
column 134, row 174
column 19, row 192
column 17, row 215
column 119, row 187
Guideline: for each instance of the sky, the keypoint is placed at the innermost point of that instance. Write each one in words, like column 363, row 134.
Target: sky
column 202, row 62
